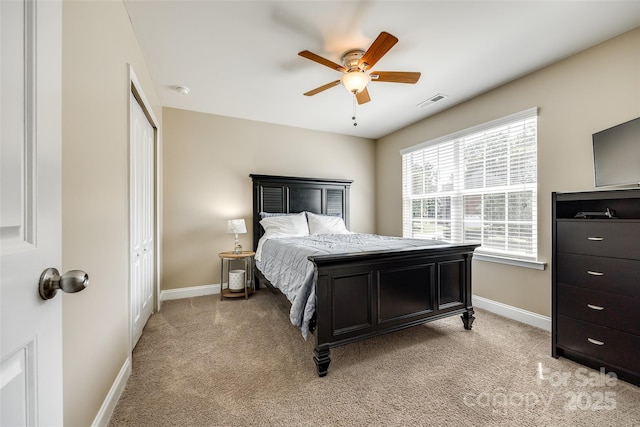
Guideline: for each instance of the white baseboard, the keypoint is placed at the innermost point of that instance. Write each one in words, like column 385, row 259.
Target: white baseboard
column 508, row 311
column 515, row 313
column 192, row 291
column 106, row 410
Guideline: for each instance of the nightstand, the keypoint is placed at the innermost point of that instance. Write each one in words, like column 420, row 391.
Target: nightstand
column 247, row 289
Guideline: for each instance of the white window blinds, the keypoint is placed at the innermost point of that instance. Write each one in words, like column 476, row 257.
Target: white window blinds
column 477, row 185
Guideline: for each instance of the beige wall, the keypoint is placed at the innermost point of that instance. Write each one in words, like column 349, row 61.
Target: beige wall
column 583, row 94
column 98, row 43
column 207, row 162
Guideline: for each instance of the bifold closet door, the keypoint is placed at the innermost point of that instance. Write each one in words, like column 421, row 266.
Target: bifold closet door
column 142, row 218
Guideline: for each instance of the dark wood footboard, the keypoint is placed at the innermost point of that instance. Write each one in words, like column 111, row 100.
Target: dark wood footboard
column 363, row 295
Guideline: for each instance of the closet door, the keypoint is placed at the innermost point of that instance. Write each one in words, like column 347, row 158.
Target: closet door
column 142, row 219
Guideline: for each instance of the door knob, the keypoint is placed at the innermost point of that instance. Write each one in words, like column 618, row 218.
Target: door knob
column 70, row 282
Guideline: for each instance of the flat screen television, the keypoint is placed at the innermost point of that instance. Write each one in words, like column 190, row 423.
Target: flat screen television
column 616, row 155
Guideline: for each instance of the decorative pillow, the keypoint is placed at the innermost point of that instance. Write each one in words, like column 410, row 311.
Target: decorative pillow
column 326, row 224
column 294, row 225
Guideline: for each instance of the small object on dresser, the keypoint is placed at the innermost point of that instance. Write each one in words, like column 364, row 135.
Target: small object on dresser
column 609, row 214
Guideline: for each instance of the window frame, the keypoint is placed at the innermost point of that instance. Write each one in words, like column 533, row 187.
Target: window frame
column 456, row 218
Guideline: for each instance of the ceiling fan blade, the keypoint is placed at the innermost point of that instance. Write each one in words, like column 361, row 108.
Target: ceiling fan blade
column 395, row 76
column 320, row 60
column 378, row 48
column 363, row 97
column 322, row 88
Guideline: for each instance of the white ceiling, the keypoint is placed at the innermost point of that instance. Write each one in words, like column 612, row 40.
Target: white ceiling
column 239, row 58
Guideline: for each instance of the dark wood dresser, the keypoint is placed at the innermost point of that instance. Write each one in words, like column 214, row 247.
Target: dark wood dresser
column 596, row 280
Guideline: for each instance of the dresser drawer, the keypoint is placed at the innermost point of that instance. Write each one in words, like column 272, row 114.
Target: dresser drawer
column 604, row 309
column 599, row 237
column 610, row 346
column 620, row 276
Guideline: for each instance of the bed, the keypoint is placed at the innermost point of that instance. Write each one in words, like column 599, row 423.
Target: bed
column 359, row 295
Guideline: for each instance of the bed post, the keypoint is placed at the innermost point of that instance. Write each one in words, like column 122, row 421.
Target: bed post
column 323, row 321
column 322, row 359
column 468, row 318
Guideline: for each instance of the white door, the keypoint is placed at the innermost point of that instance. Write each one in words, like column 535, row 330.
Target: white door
column 30, row 209
column 142, row 142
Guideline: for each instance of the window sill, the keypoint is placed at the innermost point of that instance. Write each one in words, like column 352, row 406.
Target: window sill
column 536, row 265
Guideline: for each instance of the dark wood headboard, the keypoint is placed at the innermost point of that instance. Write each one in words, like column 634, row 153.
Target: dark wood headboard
column 286, row 194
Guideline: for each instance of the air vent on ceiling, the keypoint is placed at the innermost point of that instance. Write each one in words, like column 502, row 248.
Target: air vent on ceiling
column 434, row 98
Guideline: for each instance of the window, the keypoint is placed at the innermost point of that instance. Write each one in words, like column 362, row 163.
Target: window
column 477, row 185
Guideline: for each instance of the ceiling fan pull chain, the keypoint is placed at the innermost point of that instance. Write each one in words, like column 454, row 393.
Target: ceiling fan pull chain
column 354, row 111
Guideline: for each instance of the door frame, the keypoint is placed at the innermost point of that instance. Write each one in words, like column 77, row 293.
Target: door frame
column 136, row 88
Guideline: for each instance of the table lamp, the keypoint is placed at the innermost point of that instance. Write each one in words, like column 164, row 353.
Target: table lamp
column 236, row 226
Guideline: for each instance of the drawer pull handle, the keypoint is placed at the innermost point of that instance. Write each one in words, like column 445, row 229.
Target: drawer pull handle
column 596, row 239
column 596, row 342
column 595, row 273
column 595, row 307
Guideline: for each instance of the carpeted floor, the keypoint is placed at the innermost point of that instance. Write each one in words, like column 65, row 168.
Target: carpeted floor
column 203, row 362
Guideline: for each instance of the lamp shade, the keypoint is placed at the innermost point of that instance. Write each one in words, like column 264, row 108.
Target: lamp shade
column 236, row 226
column 355, row 81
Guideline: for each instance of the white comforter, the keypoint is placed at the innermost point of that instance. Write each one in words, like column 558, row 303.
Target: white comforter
column 283, row 261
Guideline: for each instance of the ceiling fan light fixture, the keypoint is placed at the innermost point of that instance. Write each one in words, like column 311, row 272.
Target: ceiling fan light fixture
column 355, row 81
column 356, row 69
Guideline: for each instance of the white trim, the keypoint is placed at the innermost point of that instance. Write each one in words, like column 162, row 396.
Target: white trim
column 133, row 81
column 106, row 410
column 525, row 114
column 514, row 313
column 537, row 265
column 192, row 291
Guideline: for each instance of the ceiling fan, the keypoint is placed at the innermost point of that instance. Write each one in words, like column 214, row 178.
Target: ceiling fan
column 356, row 65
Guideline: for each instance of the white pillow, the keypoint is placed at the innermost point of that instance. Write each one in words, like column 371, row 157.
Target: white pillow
column 326, row 224
column 285, row 226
